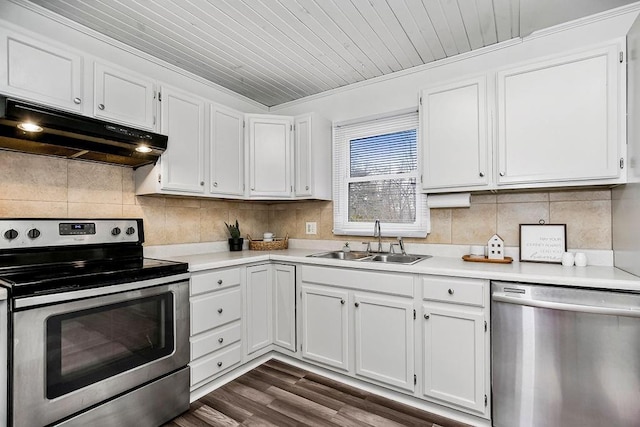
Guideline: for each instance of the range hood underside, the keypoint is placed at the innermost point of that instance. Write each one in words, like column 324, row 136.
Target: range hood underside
column 49, row 144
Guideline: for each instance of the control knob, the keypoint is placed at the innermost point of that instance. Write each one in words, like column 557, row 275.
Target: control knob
column 130, row 231
column 34, row 233
column 10, row 234
column 115, row 231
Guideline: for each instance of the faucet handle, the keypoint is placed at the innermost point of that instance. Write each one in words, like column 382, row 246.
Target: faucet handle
column 368, row 246
column 391, row 249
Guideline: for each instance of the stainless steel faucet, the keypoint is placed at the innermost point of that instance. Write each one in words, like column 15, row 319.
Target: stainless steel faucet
column 377, row 233
column 401, row 243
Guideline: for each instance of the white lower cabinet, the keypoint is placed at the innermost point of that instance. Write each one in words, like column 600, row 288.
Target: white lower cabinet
column 384, row 339
column 345, row 325
column 455, row 342
column 325, row 321
column 270, row 308
column 284, row 306
column 216, row 323
column 259, row 306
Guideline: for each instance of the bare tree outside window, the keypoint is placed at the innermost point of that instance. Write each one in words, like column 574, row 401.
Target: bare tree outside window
column 377, row 189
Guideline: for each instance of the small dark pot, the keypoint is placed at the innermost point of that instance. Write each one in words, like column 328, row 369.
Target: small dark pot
column 236, row 244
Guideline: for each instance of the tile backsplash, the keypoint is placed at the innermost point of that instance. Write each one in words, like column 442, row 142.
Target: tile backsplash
column 40, row 186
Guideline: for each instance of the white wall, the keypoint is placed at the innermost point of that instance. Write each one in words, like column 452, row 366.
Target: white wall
column 399, row 91
column 91, row 45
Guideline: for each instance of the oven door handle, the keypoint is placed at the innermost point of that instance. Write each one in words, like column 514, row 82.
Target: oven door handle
column 60, row 297
column 605, row 311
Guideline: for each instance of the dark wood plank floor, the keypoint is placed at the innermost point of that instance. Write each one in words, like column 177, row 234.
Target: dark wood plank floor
column 278, row 394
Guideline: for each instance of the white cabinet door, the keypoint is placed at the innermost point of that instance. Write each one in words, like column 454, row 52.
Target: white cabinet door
column 284, row 306
column 302, row 151
column 124, row 97
column 259, row 308
column 384, row 339
column 183, row 121
column 454, row 355
column 41, row 72
column 455, row 151
column 559, row 120
column 270, row 156
column 325, row 326
column 226, row 142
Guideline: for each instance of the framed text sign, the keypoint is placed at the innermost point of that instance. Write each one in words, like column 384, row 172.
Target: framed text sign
column 543, row 243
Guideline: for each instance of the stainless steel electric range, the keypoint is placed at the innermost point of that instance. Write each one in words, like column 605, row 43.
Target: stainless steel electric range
column 99, row 335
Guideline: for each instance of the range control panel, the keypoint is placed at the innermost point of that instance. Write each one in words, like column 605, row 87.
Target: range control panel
column 32, row 233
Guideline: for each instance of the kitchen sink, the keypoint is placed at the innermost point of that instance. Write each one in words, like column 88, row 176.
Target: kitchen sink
column 353, row 255
column 397, row 258
column 372, row 257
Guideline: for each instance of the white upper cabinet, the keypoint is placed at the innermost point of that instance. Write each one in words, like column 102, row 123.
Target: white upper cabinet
column 455, row 149
column 41, row 72
column 269, row 139
column 226, row 156
column 182, row 116
column 559, row 120
column 123, row 97
column 312, row 152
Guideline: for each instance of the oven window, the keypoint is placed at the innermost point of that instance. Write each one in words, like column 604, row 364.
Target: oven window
column 84, row 347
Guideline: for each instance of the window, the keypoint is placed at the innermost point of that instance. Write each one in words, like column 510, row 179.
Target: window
column 376, row 176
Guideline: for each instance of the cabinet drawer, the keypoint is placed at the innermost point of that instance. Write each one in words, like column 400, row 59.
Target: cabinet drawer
column 215, row 340
column 214, row 280
column 211, row 311
column 215, row 364
column 458, row 291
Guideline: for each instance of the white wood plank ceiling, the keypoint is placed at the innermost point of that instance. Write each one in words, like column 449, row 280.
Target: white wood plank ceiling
column 275, row 51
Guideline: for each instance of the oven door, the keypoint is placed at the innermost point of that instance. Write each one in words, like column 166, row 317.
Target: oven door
column 70, row 356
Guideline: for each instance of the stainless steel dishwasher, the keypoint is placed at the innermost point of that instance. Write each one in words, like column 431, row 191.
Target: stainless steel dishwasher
column 564, row 356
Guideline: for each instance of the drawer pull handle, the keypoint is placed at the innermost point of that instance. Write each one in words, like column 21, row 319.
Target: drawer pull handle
column 220, row 282
column 220, row 340
column 426, row 316
column 450, row 291
column 220, row 311
column 77, row 100
column 219, row 364
column 357, row 304
column 101, row 106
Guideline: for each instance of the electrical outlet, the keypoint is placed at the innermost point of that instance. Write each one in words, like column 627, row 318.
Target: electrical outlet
column 312, row 228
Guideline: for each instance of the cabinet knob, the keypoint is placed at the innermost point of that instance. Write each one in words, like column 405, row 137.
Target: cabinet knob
column 253, row 189
column 426, row 316
column 219, row 364
column 357, row 304
column 501, row 173
column 220, row 311
column 450, row 291
column 481, row 174
column 201, row 182
column 220, row 282
column 342, row 301
column 215, row 184
column 77, row 100
column 101, row 106
column 306, row 187
column 220, row 340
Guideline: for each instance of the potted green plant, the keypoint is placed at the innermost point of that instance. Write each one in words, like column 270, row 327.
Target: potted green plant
column 235, row 241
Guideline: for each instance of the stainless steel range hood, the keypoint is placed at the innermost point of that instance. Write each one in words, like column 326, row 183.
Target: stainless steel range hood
column 74, row 136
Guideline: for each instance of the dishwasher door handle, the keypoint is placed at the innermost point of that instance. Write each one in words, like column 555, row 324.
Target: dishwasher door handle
column 606, row 311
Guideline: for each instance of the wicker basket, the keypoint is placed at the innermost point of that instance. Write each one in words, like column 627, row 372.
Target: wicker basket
column 261, row 245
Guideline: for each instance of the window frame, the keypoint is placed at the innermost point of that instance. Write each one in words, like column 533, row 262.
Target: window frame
column 342, row 134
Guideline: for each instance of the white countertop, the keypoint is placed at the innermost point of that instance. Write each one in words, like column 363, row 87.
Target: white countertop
column 590, row 276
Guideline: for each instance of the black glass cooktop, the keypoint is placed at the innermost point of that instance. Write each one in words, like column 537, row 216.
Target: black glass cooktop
column 50, row 278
